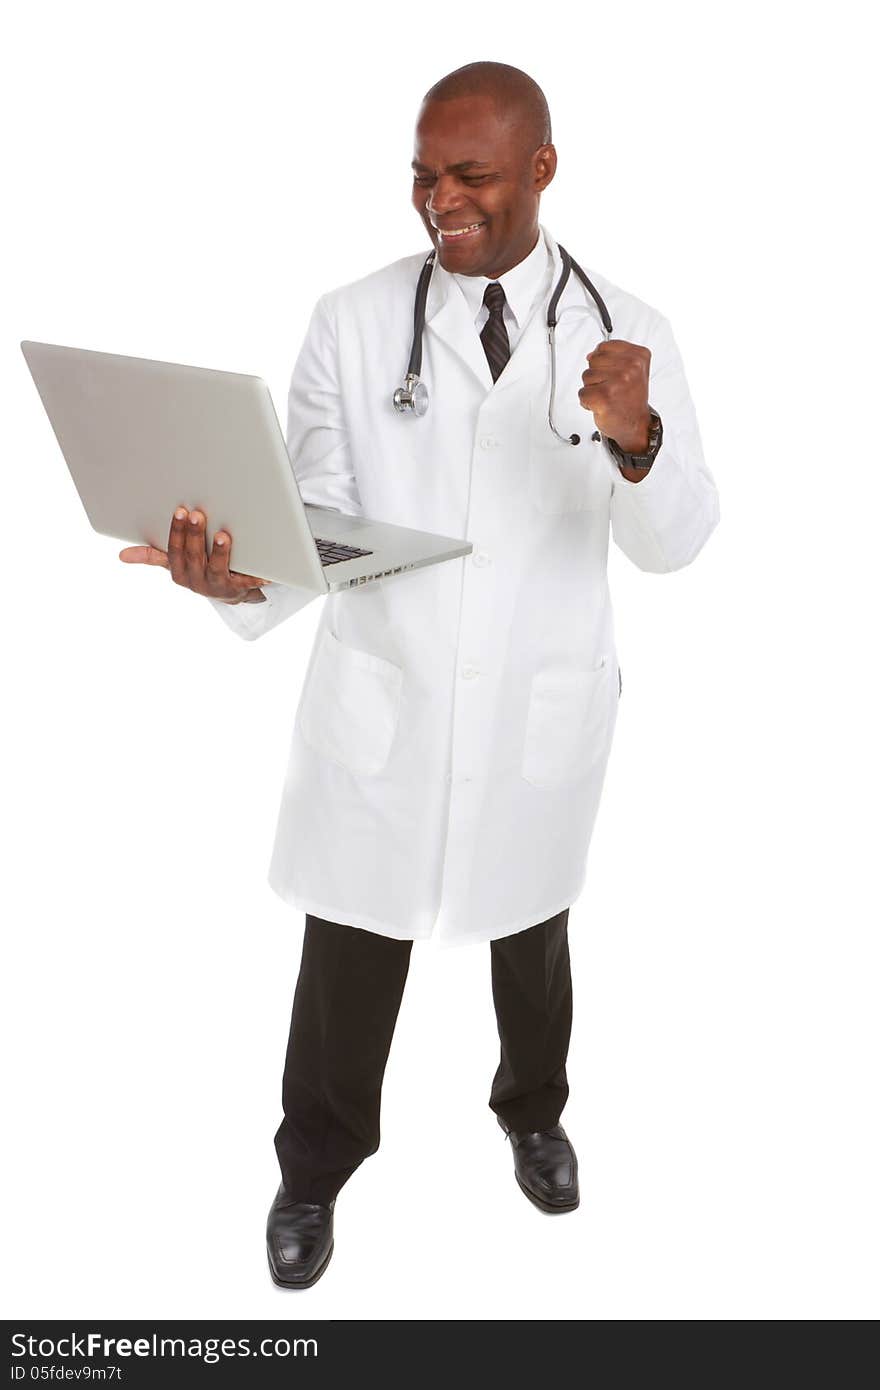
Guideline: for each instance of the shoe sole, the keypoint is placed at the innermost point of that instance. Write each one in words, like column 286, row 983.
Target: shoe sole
column 300, row 1283
column 551, row 1208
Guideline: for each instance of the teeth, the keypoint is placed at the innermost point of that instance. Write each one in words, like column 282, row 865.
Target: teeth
column 461, row 230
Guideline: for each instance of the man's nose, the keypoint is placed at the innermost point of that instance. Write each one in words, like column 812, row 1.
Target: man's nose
column 445, row 197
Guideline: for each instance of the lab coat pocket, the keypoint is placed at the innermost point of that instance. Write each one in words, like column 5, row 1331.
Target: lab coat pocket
column 567, row 724
column 351, row 704
column 566, row 477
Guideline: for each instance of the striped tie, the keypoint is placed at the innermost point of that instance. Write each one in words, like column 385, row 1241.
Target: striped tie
column 496, row 344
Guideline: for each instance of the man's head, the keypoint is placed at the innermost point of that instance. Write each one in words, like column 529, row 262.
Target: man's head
column 482, row 159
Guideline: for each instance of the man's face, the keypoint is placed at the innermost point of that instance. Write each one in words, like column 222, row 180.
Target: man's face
column 475, row 186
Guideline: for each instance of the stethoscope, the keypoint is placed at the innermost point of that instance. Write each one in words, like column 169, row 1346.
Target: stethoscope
column 413, row 394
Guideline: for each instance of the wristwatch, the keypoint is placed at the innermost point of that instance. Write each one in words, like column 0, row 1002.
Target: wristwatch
column 655, row 439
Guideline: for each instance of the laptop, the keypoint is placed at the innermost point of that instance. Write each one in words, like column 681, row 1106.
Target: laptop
column 141, row 437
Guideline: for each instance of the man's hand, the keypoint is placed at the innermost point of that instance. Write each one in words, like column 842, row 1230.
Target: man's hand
column 615, row 389
column 190, row 565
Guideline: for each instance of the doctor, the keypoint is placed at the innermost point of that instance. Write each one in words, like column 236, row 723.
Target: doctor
column 452, row 736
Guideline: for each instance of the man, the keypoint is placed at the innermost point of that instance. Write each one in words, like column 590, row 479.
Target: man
column 453, row 732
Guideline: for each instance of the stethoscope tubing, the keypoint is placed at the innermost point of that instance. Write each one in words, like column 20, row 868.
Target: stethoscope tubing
column 413, row 394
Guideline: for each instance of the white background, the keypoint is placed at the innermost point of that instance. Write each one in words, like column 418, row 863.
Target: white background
column 182, row 182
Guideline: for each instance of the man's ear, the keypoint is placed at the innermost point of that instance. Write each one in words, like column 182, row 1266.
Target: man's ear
column 544, row 166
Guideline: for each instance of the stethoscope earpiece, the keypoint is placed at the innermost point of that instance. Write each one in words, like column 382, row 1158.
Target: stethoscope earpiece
column 413, row 394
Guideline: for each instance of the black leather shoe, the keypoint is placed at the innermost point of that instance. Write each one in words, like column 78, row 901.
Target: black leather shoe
column 546, row 1167
column 299, row 1241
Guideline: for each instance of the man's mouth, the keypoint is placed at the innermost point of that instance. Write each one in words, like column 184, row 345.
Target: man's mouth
column 459, row 233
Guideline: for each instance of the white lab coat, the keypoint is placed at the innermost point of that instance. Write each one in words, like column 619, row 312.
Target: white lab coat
column 451, row 739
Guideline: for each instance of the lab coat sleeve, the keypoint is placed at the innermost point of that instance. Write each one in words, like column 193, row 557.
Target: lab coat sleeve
column 318, row 445
column 663, row 521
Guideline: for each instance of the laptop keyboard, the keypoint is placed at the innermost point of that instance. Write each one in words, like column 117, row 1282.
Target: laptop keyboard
column 331, row 552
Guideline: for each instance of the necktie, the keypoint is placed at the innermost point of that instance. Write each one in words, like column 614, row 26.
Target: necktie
column 496, row 344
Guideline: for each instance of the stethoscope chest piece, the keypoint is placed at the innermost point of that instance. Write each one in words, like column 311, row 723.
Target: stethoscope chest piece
column 412, row 395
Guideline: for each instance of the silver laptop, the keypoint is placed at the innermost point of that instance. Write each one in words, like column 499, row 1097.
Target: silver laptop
column 141, row 437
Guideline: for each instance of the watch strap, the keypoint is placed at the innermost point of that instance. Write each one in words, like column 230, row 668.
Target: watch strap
column 655, row 439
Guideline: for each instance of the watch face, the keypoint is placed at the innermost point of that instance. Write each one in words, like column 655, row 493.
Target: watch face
column 654, row 436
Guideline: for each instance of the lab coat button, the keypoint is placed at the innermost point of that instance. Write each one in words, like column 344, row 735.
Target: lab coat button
column 488, row 441
column 481, row 559
column 468, row 672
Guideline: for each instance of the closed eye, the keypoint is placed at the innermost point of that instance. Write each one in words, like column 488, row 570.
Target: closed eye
column 424, row 180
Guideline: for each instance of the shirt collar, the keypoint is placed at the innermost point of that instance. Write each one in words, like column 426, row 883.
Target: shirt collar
column 521, row 284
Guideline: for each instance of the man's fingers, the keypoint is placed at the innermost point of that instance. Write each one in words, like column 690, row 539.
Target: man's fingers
column 251, row 580
column 610, row 345
column 143, row 555
column 187, row 556
column 218, row 560
column 245, row 581
column 595, row 389
column 218, row 572
column 176, row 539
column 194, row 552
column 618, row 347
column 218, row 565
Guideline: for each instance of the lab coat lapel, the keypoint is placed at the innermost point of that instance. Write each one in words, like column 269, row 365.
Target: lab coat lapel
column 448, row 317
column 526, row 360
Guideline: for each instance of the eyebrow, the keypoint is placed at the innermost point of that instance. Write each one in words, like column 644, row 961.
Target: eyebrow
column 465, row 164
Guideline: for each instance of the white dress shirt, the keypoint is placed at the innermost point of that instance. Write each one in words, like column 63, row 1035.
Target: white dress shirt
column 522, row 285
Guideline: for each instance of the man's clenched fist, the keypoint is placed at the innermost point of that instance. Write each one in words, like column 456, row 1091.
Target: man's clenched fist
column 615, row 389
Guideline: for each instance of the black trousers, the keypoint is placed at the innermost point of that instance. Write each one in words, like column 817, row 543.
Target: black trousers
column 344, row 1010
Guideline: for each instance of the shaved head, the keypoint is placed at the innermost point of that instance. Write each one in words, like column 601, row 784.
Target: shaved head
column 482, row 159
column 517, row 97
